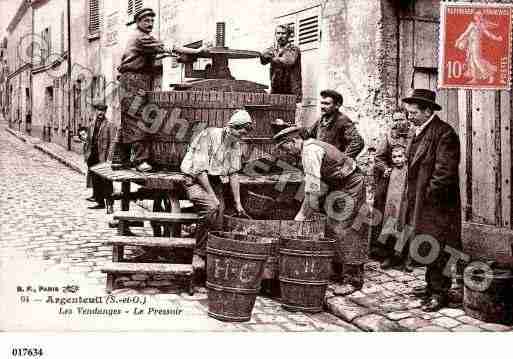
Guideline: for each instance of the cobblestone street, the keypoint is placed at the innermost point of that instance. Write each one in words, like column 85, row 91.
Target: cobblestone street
column 50, row 238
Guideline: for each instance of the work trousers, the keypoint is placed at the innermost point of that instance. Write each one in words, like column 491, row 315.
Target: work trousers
column 210, row 212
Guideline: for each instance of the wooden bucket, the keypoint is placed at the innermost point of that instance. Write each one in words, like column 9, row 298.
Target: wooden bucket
column 492, row 303
column 305, row 266
column 234, row 272
column 273, row 230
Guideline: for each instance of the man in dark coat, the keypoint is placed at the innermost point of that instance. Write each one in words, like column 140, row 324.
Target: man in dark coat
column 97, row 149
column 334, row 127
column 432, row 208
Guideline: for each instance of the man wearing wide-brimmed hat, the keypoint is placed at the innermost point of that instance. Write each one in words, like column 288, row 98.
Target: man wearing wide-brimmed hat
column 335, row 185
column 138, row 70
column 97, row 149
column 432, row 205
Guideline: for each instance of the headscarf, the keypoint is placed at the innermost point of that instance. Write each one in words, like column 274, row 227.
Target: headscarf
column 239, row 119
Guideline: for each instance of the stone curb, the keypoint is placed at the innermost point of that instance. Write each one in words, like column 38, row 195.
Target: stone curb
column 41, row 147
column 64, row 161
column 365, row 319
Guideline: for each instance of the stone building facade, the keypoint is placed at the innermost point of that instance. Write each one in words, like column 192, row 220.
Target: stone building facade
column 18, row 82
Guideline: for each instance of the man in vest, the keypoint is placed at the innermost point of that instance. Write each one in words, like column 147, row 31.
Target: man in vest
column 334, row 185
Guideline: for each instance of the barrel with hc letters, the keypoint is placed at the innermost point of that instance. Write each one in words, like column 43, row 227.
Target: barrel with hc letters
column 234, row 272
column 304, row 272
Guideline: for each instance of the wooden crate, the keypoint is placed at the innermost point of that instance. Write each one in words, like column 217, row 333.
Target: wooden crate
column 184, row 112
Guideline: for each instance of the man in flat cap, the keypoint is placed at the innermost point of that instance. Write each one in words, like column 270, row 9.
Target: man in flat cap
column 334, row 184
column 431, row 210
column 335, row 127
column 97, row 149
column 213, row 159
column 137, row 73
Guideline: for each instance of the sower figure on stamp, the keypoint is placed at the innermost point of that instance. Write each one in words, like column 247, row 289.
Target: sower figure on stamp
column 391, row 171
column 334, row 184
column 137, row 72
column 431, row 210
column 98, row 148
column 213, row 159
column 285, row 69
column 334, row 127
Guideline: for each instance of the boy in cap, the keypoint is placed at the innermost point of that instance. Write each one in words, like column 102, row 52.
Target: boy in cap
column 333, row 180
column 137, row 74
column 214, row 158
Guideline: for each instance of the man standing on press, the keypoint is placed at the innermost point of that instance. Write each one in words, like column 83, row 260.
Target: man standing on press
column 137, row 74
column 285, row 69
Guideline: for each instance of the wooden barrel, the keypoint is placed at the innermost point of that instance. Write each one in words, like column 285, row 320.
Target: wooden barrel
column 305, row 266
column 492, row 303
column 234, row 272
column 274, row 229
column 183, row 113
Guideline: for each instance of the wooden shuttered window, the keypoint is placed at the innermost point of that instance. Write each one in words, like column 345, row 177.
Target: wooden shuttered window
column 133, row 7
column 63, row 33
column 46, row 47
column 308, row 30
column 94, row 17
column 305, row 26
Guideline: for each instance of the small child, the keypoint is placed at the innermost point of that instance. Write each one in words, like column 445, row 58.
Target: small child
column 396, row 183
column 396, row 186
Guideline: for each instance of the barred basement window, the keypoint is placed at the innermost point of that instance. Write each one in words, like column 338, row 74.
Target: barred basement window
column 94, row 17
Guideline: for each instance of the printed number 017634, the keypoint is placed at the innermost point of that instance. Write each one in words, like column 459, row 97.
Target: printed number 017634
column 27, row 352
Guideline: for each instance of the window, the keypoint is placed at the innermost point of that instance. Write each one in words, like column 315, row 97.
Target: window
column 133, row 7
column 305, row 26
column 308, row 30
column 63, row 33
column 46, row 46
column 94, row 17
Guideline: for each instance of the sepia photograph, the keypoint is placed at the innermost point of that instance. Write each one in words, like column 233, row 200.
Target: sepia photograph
column 256, row 166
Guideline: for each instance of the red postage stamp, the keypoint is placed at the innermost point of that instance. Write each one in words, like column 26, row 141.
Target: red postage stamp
column 475, row 46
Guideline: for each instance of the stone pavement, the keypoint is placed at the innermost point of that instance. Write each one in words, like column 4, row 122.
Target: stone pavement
column 386, row 303
column 49, row 238
column 63, row 233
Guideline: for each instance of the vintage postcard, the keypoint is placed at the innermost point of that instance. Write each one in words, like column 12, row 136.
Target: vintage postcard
column 255, row 166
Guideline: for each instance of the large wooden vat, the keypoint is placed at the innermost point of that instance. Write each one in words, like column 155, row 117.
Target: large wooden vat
column 184, row 112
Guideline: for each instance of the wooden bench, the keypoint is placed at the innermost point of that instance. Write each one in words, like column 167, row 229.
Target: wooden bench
column 120, row 266
column 119, row 242
column 171, row 269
